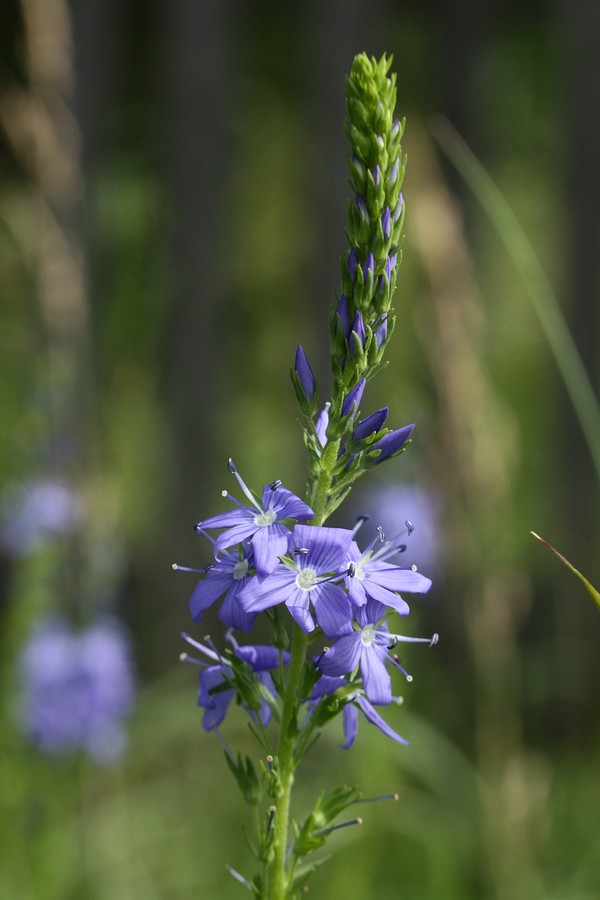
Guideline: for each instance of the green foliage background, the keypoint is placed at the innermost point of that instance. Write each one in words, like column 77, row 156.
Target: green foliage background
column 203, row 220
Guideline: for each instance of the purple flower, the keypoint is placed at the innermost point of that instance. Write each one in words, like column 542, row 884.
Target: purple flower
column 392, row 442
column 342, row 312
column 399, row 208
column 352, row 263
column 259, row 522
column 35, row 512
column 358, row 336
column 376, row 174
column 217, row 681
column 76, row 689
column 369, row 267
column 368, row 650
column 362, row 208
column 305, row 374
column 395, row 503
column 328, row 684
column 373, row 576
column 309, row 579
column 381, row 330
column 226, row 578
column 370, row 425
column 386, row 222
column 353, row 398
column 321, row 425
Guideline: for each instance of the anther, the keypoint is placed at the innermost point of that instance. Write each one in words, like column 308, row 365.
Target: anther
column 409, row 526
column 276, row 484
column 272, row 811
column 269, row 762
column 381, row 533
column 351, row 572
column 231, row 466
column 300, row 551
column 434, row 639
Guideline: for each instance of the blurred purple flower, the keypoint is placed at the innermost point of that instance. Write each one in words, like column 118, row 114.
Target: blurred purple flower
column 76, row 688
column 35, row 512
column 394, row 505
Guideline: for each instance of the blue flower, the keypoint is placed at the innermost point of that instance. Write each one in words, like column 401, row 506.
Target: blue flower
column 373, row 576
column 392, row 442
column 328, row 684
column 260, row 522
column 305, row 374
column 352, row 399
column 225, row 578
column 309, row 579
column 367, row 649
column 217, row 688
column 370, row 424
column 76, row 689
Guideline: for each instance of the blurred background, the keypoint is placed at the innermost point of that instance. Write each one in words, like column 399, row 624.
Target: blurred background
column 172, row 205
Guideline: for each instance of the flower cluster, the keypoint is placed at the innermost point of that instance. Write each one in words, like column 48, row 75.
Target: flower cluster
column 76, row 689
column 327, row 583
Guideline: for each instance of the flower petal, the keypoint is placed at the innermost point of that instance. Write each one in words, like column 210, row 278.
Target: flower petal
column 375, row 677
column 332, row 609
column 269, row 543
column 262, row 593
column 206, row 592
column 350, row 715
column 343, row 657
column 375, row 719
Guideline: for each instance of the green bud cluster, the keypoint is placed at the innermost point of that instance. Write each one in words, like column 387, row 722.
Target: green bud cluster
column 375, row 221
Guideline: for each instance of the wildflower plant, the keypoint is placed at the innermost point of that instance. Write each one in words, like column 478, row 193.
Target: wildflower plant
column 332, row 603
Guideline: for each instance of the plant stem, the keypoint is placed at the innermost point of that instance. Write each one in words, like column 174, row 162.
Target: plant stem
column 277, row 886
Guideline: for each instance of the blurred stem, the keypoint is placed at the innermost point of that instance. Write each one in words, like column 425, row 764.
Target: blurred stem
column 277, row 876
column 535, row 280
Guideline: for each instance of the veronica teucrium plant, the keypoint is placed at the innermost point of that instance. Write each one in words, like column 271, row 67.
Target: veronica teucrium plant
column 332, row 603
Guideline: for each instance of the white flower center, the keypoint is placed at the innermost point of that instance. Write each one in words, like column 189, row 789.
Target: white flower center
column 306, row 579
column 240, row 570
column 264, row 519
column 368, row 635
column 358, row 571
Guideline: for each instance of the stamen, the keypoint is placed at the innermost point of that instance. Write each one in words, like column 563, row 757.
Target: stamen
column 276, row 484
column 200, row 647
column 434, row 639
column 381, row 534
column 223, row 742
column 396, row 662
column 200, row 530
column 177, row 568
column 326, row 831
column 242, row 484
column 394, row 797
column 185, row 657
column 229, row 497
column 269, row 762
column 360, row 521
column 239, row 877
column 351, row 571
column 300, row 551
column 409, row 526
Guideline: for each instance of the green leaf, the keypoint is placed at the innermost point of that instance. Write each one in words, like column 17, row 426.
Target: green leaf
column 587, row 585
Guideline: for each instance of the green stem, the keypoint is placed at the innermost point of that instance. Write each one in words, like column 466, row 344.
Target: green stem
column 277, row 876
